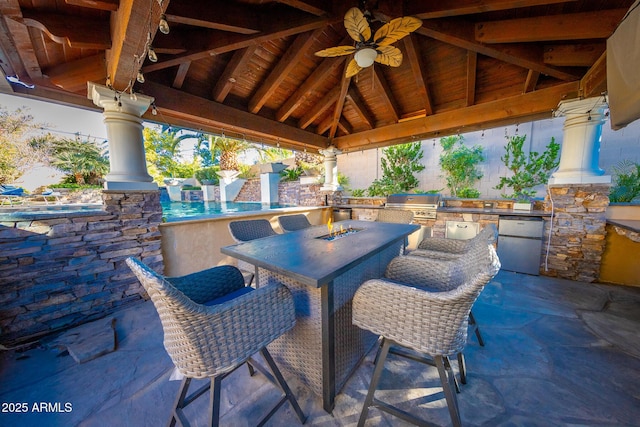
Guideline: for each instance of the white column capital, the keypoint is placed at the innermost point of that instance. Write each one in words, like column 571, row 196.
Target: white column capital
column 134, row 104
column 330, row 152
column 578, row 106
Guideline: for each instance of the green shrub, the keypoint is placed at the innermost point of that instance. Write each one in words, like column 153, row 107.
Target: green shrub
column 207, row 176
column 626, row 186
column 468, row 193
column 399, row 163
column 357, row 192
column 459, row 164
column 291, row 174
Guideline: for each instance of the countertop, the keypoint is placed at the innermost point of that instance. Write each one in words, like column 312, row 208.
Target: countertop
column 628, row 224
column 495, row 211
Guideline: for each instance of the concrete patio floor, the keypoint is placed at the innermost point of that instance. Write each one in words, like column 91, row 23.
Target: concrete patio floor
column 558, row 353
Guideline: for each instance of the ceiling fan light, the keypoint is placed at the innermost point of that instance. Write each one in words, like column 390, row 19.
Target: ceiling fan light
column 365, row 57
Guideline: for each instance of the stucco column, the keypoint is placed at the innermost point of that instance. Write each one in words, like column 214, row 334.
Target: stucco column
column 580, row 152
column 122, row 117
column 330, row 169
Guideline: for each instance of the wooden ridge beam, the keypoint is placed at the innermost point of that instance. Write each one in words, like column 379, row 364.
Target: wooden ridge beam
column 288, row 62
column 179, row 108
column 445, row 8
column 419, row 72
column 317, row 77
column 570, row 26
column 514, row 109
column 229, row 77
column 229, row 42
column 461, row 34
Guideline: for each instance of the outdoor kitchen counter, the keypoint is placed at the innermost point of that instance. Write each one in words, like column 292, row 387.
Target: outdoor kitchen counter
column 494, row 211
column 627, row 224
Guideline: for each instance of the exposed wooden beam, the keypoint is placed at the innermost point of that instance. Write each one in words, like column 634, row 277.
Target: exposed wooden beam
column 325, row 124
column 573, row 55
column 319, row 75
column 419, row 72
column 178, row 80
column 472, row 64
column 109, row 5
column 129, row 41
column 570, row 26
column 15, row 38
column 531, row 82
column 314, row 7
column 73, row 76
column 461, row 33
column 225, row 16
column 85, row 33
column 230, row 42
column 383, row 89
column 360, row 107
column 178, row 107
column 319, row 108
column 337, row 111
column 445, row 8
column 513, row 109
column 594, row 82
column 288, row 62
column 344, row 126
column 229, row 77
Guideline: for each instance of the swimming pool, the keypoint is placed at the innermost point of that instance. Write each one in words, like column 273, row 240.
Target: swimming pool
column 175, row 211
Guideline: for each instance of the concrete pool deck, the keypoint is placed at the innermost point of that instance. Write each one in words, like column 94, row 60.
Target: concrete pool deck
column 558, row 353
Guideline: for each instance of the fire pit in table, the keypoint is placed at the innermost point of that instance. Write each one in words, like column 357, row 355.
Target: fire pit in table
column 338, row 233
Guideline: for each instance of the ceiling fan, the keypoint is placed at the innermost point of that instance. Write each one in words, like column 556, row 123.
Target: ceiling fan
column 370, row 48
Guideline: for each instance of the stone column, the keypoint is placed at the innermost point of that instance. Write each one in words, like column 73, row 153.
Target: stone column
column 581, row 142
column 330, row 169
column 122, row 117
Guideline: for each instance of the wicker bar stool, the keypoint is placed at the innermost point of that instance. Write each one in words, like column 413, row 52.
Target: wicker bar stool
column 432, row 324
column 245, row 231
column 293, row 222
column 212, row 325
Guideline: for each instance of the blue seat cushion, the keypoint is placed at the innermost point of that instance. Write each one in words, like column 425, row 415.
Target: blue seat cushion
column 231, row 295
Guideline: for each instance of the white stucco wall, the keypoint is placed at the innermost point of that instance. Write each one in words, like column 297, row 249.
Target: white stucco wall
column 362, row 167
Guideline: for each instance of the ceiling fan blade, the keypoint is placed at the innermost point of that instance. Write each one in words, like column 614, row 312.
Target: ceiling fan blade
column 396, row 29
column 356, row 25
column 336, row 51
column 389, row 55
column 352, row 69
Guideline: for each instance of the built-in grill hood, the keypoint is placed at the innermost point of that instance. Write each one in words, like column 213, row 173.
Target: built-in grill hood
column 423, row 206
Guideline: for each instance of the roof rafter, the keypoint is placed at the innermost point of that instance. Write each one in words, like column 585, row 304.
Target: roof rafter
column 26, row 62
column 382, row 87
column 337, row 111
column 419, row 72
column 573, row 55
column 289, row 60
column 472, row 64
column 226, row 16
column 238, row 62
column 574, row 26
column 445, row 8
column 181, row 74
column 320, row 107
column 531, row 82
column 360, row 107
column 313, row 7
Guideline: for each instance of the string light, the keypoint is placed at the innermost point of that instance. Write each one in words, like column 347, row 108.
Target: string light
column 151, row 54
column 140, row 77
column 164, row 25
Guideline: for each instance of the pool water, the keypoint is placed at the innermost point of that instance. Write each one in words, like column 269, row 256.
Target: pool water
column 173, row 211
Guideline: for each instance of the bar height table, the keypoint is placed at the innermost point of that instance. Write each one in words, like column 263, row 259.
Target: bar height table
column 324, row 348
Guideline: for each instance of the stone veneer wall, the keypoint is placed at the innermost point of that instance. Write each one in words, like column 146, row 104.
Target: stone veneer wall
column 579, row 230
column 62, row 269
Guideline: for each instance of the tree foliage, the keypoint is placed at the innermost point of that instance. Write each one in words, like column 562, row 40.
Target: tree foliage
column 626, row 185
column 18, row 150
column 459, row 164
column 84, row 160
column 162, row 149
column 399, row 163
column 528, row 171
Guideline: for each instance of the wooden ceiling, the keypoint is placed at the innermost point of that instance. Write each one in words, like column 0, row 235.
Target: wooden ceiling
column 247, row 67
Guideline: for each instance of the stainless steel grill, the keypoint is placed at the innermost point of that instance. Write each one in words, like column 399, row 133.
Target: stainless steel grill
column 423, row 206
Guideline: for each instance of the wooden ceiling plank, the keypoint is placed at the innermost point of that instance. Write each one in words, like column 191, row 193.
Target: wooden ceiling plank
column 108, row 5
column 445, row 8
column 225, row 16
column 337, row 111
column 288, row 62
column 531, row 82
column 222, row 44
column 419, row 72
column 319, row 75
column 513, row 109
column 82, row 33
column 594, row 82
column 178, row 80
column 472, row 64
column 573, row 55
column 573, row 26
column 360, row 107
column 129, row 41
column 320, row 107
column 212, row 116
column 383, row 89
column 460, row 33
column 229, row 77
column 313, row 7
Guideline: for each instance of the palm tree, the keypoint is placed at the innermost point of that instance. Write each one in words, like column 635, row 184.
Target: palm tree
column 229, row 149
column 80, row 159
